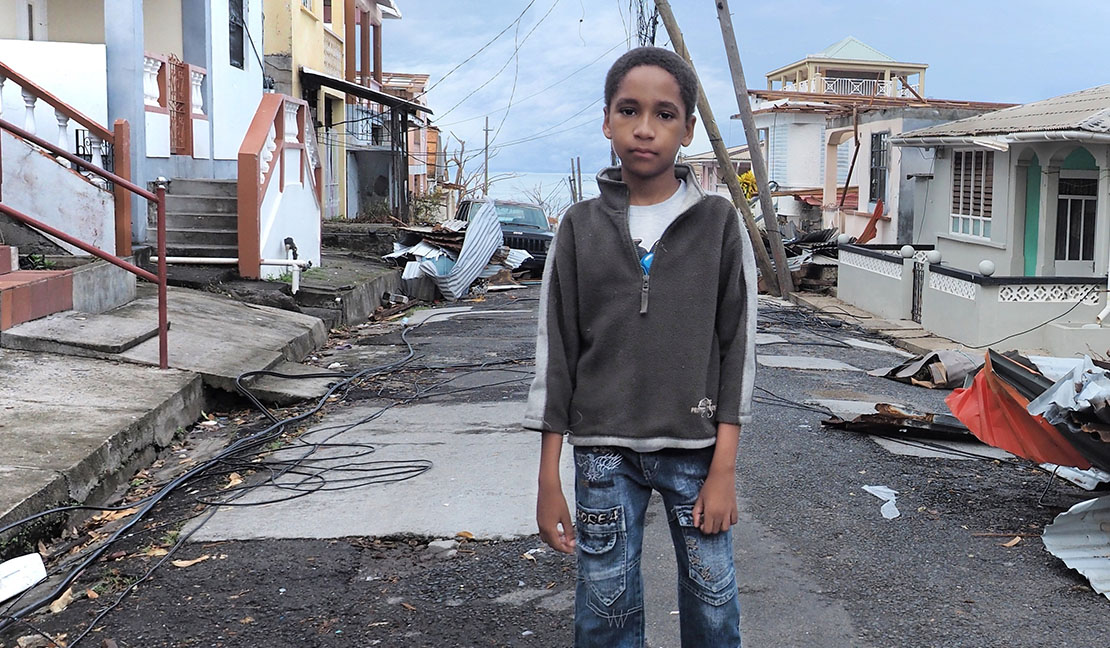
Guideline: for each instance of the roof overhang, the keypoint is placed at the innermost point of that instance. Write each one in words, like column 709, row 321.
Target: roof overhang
column 849, row 64
column 1001, row 142
column 312, row 77
column 388, row 8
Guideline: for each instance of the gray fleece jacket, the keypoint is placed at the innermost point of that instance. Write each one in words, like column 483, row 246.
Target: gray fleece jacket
column 645, row 361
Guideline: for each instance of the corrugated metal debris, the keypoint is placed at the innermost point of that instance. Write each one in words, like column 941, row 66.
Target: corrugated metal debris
column 457, row 253
column 937, row 370
column 1080, row 538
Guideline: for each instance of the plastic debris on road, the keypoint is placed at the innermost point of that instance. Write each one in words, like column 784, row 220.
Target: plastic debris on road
column 888, row 495
column 1089, row 479
column 1078, row 537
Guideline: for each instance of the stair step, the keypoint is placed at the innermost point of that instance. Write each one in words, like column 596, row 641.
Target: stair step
column 229, row 222
column 203, row 187
column 201, row 236
column 185, row 204
column 202, row 250
column 9, row 259
column 26, row 295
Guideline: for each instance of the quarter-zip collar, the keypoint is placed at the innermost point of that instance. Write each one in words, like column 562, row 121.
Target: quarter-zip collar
column 614, row 193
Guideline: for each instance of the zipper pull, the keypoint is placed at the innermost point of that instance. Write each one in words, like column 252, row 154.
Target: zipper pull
column 644, row 296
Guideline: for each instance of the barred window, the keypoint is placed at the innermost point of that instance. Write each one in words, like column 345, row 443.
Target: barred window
column 972, row 192
column 880, row 163
column 238, row 45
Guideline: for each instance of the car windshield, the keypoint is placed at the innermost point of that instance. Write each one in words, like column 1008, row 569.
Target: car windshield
column 522, row 215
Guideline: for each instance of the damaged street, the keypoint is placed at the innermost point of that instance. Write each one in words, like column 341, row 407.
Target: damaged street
column 403, row 514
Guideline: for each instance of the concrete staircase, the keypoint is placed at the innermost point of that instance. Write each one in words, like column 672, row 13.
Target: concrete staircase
column 202, row 218
column 27, row 295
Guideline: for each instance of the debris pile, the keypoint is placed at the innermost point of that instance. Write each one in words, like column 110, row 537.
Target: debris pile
column 457, row 255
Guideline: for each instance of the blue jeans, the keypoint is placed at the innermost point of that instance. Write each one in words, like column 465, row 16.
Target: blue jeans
column 612, row 487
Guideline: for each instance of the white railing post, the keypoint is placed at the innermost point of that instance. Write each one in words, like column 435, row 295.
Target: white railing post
column 151, row 93
column 291, row 133
column 267, row 155
column 196, row 96
column 63, row 134
column 29, row 101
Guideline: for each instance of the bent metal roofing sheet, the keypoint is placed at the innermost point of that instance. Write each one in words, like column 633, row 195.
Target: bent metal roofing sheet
column 1086, row 110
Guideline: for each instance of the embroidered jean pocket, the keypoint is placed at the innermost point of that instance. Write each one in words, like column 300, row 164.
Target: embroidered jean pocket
column 602, row 551
column 712, row 574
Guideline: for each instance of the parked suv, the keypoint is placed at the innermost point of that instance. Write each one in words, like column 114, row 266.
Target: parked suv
column 523, row 225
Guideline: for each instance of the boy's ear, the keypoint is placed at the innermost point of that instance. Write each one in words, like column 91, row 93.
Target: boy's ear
column 689, row 136
column 605, row 124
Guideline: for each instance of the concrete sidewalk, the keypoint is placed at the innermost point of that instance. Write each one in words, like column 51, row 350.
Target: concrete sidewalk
column 83, row 406
column 906, row 334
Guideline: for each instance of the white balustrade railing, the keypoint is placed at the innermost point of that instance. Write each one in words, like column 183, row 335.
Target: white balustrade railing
column 267, row 155
column 292, row 130
column 196, row 95
column 152, row 67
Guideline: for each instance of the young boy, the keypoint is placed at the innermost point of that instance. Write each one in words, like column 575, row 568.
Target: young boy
column 645, row 358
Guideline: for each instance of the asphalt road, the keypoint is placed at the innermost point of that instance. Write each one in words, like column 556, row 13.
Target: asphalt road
column 818, row 564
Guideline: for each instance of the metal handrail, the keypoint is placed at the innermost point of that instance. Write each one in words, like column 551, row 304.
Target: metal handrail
column 158, row 197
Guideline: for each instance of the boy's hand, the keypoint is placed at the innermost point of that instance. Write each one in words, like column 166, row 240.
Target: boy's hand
column 553, row 517
column 715, row 508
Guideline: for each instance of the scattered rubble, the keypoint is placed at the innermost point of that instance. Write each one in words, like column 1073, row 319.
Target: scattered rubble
column 937, row 370
column 456, row 254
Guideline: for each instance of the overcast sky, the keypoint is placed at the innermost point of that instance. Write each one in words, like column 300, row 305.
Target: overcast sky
column 983, row 50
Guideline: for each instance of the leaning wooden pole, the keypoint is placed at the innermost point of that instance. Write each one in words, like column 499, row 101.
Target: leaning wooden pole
column 762, row 259
column 759, row 165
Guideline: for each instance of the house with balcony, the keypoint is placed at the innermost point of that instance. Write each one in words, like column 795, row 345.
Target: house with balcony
column 1014, row 241
column 329, row 53
column 825, row 122
column 708, row 171
column 150, row 89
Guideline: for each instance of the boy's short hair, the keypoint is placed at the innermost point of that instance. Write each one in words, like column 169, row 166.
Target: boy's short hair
column 674, row 64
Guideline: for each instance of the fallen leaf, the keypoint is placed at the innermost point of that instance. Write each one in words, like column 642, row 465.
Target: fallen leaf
column 92, row 595
column 156, row 552
column 62, row 602
column 528, row 556
column 109, row 643
column 233, row 480
column 112, row 516
column 409, row 607
column 246, row 620
column 465, row 534
column 1013, row 542
column 190, row 563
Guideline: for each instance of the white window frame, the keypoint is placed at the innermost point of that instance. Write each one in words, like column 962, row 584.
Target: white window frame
column 976, row 223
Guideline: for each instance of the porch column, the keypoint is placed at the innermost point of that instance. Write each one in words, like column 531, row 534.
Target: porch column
column 1016, row 238
column 364, row 38
column 124, row 51
column 1046, row 233
column 349, row 40
column 831, row 216
column 378, row 52
column 1102, row 214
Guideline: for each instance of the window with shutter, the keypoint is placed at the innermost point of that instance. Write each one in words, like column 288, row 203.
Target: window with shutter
column 972, row 192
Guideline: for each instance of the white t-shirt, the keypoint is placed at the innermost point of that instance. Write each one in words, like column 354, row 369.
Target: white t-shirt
column 648, row 222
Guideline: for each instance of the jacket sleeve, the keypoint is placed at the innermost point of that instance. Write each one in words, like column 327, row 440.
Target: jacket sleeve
column 736, row 319
column 557, row 342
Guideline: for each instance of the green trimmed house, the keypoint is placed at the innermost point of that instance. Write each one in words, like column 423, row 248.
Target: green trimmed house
column 1014, row 241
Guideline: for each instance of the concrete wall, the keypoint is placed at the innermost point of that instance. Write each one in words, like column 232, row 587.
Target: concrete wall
column 76, row 21
column 38, row 186
column 235, row 93
column 873, row 288
column 162, row 33
column 291, row 210
column 76, row 73
column 987, row 320
column 9, row 15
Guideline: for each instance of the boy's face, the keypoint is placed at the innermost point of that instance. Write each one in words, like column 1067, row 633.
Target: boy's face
column 647, row 122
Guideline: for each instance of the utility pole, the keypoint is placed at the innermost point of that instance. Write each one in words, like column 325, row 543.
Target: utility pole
column 762, row 259
column 759, row 165
column 485, row 169
column 579, row 178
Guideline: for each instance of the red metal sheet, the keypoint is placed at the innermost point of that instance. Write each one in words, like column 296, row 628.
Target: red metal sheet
column 996, row 413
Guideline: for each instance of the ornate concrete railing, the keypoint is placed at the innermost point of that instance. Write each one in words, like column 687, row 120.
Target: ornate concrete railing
column 283, row 200
column 119, row 137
